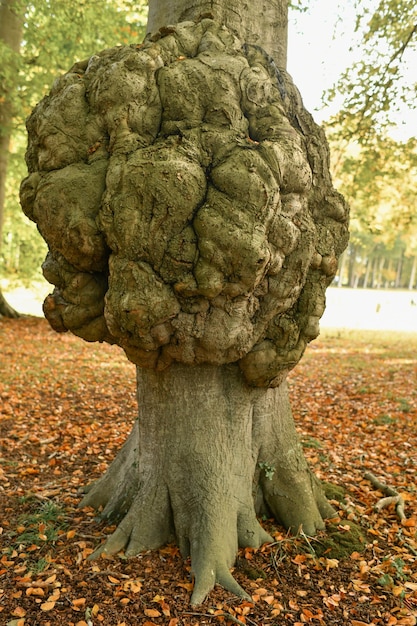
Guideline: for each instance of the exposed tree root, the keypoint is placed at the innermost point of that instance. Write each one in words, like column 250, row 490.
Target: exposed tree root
column 392, row 496
column 190, row 467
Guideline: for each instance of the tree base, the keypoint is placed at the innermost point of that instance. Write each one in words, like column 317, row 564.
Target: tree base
column 207, row 455
column 6, row 310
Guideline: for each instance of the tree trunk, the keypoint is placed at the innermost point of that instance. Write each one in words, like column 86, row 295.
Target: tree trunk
column 263, row 23
column 5, row 309
column 398, row 273
column 208, row 452
column 413, row 273
column 367, row 272
column 352, row 265
column 11, row 28
column 341, row 272
column 207, row 455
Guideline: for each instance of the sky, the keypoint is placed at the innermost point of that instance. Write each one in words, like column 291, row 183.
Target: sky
column 315, row 58
column 321, row 44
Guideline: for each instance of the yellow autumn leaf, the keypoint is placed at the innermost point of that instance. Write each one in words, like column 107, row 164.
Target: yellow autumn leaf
column 95, row 610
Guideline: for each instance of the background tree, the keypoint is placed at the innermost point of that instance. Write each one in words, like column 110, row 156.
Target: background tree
column 185, row 196
column 376, row 172
column 37, row 40
column 379, row 180
column 11, row 28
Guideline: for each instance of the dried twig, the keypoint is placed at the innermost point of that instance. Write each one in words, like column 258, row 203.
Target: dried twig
column 225, row 614
column 392, row 496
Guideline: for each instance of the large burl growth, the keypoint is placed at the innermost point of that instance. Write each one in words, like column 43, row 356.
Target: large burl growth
column 185, row 196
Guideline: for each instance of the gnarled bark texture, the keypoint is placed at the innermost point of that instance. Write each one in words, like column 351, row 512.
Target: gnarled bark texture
column 186, row 199
column 207, row 455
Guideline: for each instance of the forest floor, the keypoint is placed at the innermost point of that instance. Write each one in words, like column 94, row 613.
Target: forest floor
column 66, row 407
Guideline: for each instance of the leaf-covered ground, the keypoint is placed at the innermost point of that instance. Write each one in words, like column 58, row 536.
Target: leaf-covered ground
column 65, row 408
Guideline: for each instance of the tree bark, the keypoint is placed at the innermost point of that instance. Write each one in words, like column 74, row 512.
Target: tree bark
column 209, row 452
column 207, row 455
column 263, row 23
column 11, row 28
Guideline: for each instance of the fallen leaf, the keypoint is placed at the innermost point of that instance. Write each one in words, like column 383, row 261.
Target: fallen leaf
column 152, row 613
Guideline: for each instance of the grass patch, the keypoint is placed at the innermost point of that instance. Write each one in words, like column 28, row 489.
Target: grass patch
column 40, row 526
column 339, row 542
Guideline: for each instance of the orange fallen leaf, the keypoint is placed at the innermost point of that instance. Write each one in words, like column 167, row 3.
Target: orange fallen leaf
column 398, row 590
column 113, row 580
column 19, row 612
column 132, row 585
column 261, row 591
column 299, row 559
column 187, row 586
column 268, row 599
column 35, row 591
column 152, row 613
column 50, row 580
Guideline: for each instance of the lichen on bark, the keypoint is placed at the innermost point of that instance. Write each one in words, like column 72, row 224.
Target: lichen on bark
column 185, row 175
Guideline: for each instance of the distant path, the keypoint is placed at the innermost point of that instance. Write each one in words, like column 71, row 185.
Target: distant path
column 370, row 309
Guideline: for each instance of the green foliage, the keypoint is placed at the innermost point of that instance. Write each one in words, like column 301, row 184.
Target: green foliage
column 268, row 470
column 379, row 180
column 376, row 87
column 41, row 526
column 56, row 35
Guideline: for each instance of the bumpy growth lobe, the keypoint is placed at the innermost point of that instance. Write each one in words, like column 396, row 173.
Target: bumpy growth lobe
column 189, row 212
